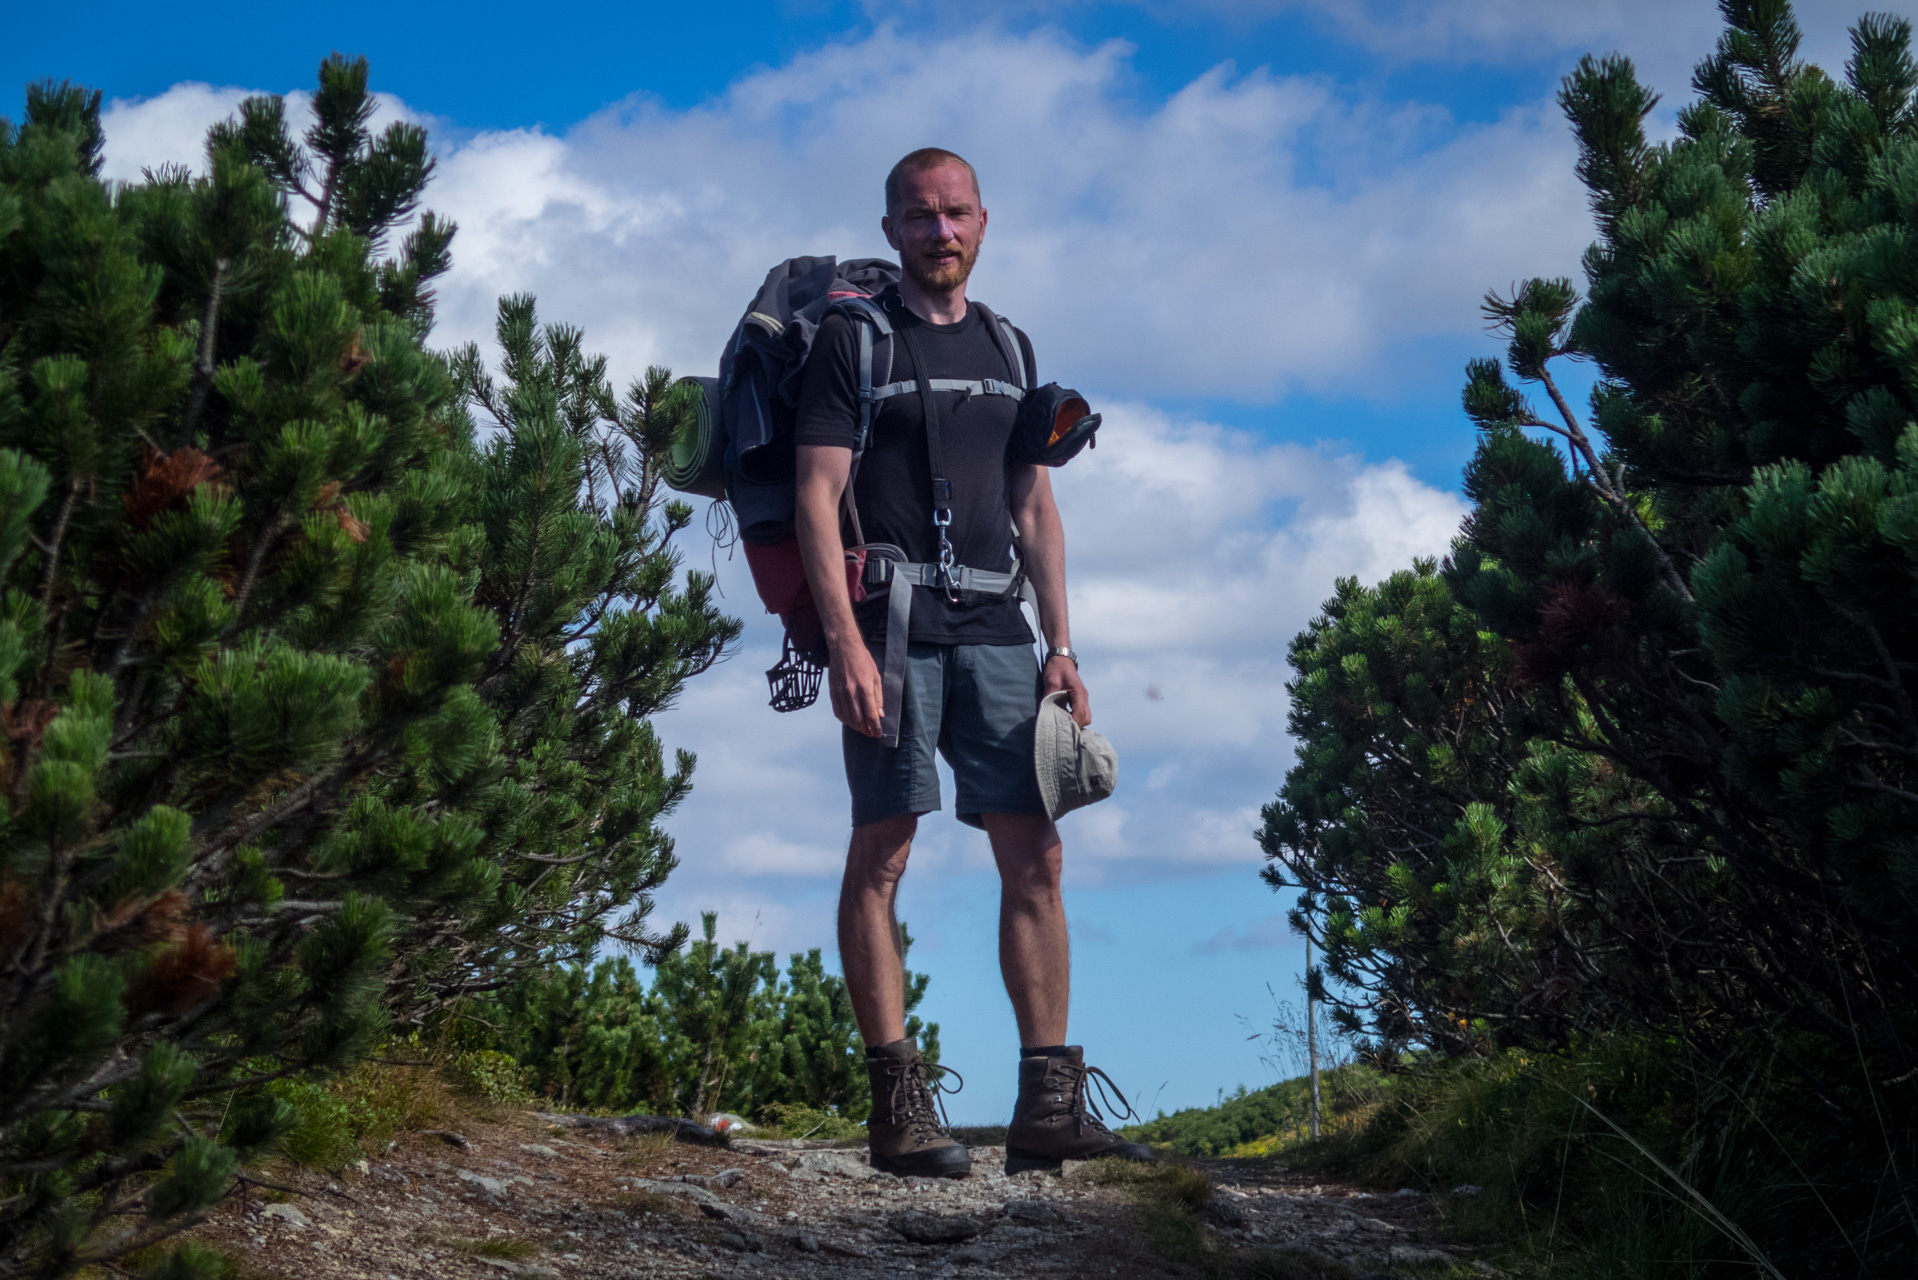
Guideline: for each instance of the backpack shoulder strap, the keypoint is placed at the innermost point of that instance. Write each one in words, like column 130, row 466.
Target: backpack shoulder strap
column 873, row 325
column 1007, row 340
column 1004, row 340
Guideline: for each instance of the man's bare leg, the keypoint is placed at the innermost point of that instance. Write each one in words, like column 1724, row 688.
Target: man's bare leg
column 904, row 1133
column 1051, row 1122
column 869, row 929
column 1035, row 955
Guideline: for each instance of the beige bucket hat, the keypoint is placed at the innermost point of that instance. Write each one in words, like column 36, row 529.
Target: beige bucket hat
column 1076, row 767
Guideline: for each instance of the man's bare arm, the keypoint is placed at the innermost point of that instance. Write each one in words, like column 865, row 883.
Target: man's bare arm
column 858, row 697
column 1042, row 537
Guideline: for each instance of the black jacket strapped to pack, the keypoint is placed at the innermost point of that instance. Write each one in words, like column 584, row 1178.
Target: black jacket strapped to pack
column 740, row 433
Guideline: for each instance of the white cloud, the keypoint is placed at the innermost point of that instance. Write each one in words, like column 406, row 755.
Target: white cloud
column 1248, row 234
column 1664, row 37
column 1498, row 30
column 170, row 128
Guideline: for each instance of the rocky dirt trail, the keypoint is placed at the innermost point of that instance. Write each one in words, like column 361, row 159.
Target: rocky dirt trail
column 522, row 1197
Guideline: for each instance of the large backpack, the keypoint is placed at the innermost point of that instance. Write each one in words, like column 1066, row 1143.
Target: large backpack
column 739, row 445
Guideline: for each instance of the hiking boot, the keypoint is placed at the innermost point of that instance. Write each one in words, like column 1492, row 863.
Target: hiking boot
column 907, row 1132
column 1056, row 1120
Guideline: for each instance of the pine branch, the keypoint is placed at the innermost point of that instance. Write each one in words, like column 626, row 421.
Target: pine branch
column 1610, row 486
column 203, row 364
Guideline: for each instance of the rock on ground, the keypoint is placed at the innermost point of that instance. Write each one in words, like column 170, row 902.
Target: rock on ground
column 524, row 1198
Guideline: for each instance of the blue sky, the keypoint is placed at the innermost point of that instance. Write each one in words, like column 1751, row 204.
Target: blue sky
column 490, row 68
column 1255, row 231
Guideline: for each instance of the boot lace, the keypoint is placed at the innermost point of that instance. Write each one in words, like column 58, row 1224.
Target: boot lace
column 1085, row 1111
column 914, row 1099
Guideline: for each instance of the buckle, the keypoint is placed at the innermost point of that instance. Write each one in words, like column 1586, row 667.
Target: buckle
column 948, row 578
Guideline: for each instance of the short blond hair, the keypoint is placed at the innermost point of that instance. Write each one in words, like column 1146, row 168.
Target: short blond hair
column 918, row 162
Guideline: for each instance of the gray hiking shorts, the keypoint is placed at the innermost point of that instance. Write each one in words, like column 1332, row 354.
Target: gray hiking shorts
column 975, row 704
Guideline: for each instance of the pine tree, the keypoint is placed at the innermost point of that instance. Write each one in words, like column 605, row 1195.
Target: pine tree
column 1641, row 760
column 811, row 1052
column 589, row 1039
column 1703, row 588
column 569, row 551
column 286, row 759
column 719, row 1029
column 716, row 1006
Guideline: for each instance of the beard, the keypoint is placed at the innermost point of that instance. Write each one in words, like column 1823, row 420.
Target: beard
column 941, row 275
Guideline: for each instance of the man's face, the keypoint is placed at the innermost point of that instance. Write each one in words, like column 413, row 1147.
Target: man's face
column 937, row 227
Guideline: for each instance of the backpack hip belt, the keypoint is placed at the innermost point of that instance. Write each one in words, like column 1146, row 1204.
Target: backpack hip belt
column 897, row 576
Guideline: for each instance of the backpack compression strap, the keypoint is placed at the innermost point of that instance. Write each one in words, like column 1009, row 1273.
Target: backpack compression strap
column 967, row 386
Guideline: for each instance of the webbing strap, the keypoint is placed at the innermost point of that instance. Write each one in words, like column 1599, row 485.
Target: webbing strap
column 970, row 386
column 1008, row 343
column 935, row 448
column 875, row 322
column 892, row 680
column 865, row 432
column 964, row 577
column 900, row 576
column 865, row 384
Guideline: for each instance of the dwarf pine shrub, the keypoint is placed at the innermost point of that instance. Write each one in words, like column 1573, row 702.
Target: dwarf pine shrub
column 317, row 711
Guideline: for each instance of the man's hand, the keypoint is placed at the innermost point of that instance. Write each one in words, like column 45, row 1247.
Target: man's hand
column 858, row 694
column 1063, row 673
column 1036, row 516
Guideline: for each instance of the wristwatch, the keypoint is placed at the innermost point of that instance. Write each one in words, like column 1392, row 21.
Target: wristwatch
column 1060, row 651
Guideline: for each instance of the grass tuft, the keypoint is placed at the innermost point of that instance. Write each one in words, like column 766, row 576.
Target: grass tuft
column 493, row 1076
column 1618, row 1158
column 511, row 1247
column 644, row 1150
column 795, row 1120
column 344, row 1119
column 1169, row 1196
column 172, row 1260
column 1262, row 1122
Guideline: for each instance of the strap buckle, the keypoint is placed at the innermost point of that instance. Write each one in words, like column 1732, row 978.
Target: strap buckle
column 942, row 520
column 948, row 566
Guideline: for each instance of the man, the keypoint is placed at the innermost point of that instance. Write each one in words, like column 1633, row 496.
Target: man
column 970, row 691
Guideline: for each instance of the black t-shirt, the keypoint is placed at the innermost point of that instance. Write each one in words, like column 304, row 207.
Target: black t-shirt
column 893, row 489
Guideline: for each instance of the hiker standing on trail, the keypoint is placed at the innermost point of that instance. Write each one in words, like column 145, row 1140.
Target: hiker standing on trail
column 934, row 482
